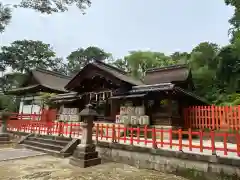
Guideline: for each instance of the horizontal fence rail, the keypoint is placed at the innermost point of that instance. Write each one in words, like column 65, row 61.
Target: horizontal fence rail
column 223, row 143
column 212, row 117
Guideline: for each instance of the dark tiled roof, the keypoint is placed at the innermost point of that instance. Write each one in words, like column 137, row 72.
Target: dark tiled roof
column 122, row 75
column 119, row 74
column 44, row 78
column 165, row 87
column 50, row 79
column 169, row 74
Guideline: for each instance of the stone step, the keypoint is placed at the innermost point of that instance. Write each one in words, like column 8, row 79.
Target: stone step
column 48, row 151
column 58, row 138
column 44, row 145
column 4, row 138
column 49, row 141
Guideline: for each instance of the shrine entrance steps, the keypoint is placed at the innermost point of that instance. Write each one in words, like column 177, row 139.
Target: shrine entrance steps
column 56, row 146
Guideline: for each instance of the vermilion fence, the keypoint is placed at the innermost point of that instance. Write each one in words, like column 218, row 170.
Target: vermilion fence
column 178, row 140
column 212, row 117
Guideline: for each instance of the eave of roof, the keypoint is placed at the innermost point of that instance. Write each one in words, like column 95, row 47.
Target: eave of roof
column 164, row 87
column 33, row 88
column 22, row 89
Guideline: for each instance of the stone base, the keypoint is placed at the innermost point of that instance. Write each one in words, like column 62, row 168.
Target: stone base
column 84, row 163
column 85, row 156
column 4, row 137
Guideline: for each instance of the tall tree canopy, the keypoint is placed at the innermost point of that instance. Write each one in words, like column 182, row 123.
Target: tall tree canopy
column 234, row 30
column 25, row 55
column 5, row 16
column 138, row 61
column 42, row 6
column 51, row 6
column 79, row 58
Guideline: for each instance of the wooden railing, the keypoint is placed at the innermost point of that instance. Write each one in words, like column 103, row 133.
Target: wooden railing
column 151, row 137
column 213, row 117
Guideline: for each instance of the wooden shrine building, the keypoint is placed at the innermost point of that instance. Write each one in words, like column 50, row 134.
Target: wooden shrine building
column 37, row 81
column 160, row 97
column 95, row 84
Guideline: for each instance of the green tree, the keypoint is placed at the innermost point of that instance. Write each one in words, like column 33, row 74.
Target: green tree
column 5, row 16
column 121, row 64
column 139, row 61
column 234, row 30
column 42, row 6
column 79, row 58
column 25, row 55
column 52, row 6
column 11, row 80
column 59, row 66
column 180, row 57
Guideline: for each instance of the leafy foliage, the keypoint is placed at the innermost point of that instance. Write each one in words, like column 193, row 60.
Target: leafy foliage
column 45, row 97
column 42, row 6
column 5, row 16
column 52, row 6
column 25, row 55
column 79, row 58
column 215, row 70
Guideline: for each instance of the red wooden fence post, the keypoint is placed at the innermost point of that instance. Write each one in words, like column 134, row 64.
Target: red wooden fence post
column 97, row 130
column 213, row 117
column 70, row 134
column 107, row 132
column 138, row 135
column 238, row 143
column 113, row 133
column 131, row 136
column 201, row 140
column 145, row 134
column 101, row 131
column 119, row 134
column 154, row 143
column 162, row 137
column 180, row 138
column 238, row 122
column 225, row 138
column 170, row 138
column 190, row 138
column 212, row 134
column 125, row 134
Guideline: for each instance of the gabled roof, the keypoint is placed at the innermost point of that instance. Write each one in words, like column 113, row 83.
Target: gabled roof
column 46, row 79
column 168, row 74
column 115, row 72
column 51, row 79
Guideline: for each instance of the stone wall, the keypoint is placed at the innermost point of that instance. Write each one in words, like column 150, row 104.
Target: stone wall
column 184, row 164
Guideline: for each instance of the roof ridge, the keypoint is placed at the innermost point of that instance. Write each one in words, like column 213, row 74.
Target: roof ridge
column 54, row 73
column 178, row 66
column 110, row 67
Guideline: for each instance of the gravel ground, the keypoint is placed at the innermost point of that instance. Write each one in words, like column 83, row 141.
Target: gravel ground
column 50, row 168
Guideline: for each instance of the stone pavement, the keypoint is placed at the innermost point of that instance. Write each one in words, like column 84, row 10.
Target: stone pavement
column 51, row 168
column 10, row 153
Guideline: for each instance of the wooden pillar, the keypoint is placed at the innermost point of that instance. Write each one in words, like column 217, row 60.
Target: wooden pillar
column 170, row 108
column 114, row 107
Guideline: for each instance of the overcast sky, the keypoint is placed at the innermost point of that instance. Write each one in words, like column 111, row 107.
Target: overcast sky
column 119, row 26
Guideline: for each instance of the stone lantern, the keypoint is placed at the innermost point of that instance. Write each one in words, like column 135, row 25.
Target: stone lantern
column 85, row 154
